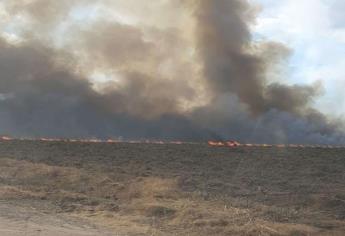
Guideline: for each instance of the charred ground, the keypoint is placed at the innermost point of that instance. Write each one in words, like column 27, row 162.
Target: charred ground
column 152, row 189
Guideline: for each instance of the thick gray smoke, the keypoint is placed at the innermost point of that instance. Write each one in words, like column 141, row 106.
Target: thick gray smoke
column 41, row 98
column 68, row 71
column 266, row 111
column 230, row 66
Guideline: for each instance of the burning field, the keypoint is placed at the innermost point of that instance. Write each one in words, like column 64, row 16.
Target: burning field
column 107, row 188
column 193, row 73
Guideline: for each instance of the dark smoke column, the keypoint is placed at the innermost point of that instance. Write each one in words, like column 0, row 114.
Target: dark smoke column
column 223, row 40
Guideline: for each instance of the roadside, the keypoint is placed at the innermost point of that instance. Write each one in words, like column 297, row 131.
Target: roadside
column 19, row 220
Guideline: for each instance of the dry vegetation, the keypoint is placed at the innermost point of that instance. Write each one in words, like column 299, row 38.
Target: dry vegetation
column 146, row 189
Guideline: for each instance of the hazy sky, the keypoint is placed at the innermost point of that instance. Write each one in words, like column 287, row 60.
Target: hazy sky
column 252, row 70
column 315, row 31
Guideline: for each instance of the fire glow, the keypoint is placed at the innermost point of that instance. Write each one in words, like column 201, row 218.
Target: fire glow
column 225, row 144
column 234, row 144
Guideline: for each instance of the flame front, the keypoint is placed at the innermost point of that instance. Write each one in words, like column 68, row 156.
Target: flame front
column 230, row 143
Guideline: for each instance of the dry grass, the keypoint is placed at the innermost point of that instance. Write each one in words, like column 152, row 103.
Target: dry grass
column 143, row 189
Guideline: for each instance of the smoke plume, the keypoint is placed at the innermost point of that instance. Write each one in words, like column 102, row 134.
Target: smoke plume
column 186, row 70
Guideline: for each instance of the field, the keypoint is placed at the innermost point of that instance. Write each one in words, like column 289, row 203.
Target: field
column 60, row 189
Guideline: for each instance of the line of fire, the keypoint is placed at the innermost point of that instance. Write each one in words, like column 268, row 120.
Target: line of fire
column 228, row 144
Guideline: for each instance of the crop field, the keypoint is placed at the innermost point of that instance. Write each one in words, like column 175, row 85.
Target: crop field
column 132, row 189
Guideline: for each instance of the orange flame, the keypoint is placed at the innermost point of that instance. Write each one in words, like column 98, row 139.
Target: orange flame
column 5, row 138
column 216, row 144
column 222, row 144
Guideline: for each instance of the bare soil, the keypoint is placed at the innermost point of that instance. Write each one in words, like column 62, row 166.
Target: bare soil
column 65, row 189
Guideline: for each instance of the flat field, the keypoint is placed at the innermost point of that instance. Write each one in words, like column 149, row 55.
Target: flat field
column 72, row 189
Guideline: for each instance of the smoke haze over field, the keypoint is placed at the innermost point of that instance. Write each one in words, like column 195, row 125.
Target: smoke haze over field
column 186, row 69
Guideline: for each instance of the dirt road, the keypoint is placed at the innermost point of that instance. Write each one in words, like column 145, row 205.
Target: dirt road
column 16, row 220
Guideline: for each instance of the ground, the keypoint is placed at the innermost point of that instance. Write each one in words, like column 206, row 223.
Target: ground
column 86, row 189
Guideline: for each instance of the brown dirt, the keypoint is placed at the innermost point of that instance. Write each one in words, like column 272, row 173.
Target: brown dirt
column 144, row 189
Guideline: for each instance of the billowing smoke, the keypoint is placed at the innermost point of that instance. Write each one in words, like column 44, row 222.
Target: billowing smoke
column 185, row 69
column 237, row 73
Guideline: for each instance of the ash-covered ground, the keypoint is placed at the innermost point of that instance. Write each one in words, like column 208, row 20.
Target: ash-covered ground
column 61, row 188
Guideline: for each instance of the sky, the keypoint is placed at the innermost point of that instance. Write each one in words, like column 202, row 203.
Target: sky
column 315, row 31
